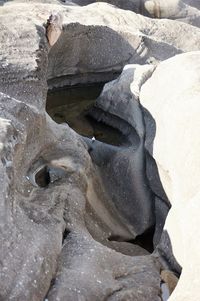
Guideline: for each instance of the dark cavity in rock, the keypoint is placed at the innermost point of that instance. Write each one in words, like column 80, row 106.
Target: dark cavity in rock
column 144, row 240
column 71, row 105
column 65, row 234
column 42, row 177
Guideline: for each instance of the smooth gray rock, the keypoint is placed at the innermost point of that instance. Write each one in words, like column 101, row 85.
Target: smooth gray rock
column 119, row 106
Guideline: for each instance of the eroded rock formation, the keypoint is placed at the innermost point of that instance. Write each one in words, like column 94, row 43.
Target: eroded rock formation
column 72, row 209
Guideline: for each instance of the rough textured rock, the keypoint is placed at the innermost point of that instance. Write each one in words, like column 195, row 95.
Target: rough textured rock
column 109, row 39
column 134, row 5
column 124, row 36
column 83, row 271
column 174, row 106
column 67, row 233
column 35, row 220
column 47, row 247
column 154, row 8
column 182, row 10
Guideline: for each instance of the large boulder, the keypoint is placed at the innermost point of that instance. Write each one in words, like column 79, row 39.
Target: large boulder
column 134, row 5
column 184, row 11
column 60, row 227
column 110, row 40
column 56, row 214
column 43, row 227
column 171, row 101
column 93, row 46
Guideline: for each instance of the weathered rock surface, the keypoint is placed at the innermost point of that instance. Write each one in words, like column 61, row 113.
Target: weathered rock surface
column 134, row 5
column 83, row 271
column 112, row 39
column 154, row 8
column 109, row 39
column 119, row 106
column 182, row 10
column 47, row 246
column 35, row 220
column 171, row 100
column 70, row 237
column 119, row 101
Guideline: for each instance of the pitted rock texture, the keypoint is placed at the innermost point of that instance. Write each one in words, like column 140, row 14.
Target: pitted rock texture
column 101, row 44
column 109, row 39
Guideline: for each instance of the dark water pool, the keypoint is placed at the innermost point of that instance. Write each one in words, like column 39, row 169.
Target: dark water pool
column 71, row 105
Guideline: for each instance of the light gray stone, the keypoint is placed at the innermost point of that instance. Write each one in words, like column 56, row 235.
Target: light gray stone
column 183, row 11
column 171, row 97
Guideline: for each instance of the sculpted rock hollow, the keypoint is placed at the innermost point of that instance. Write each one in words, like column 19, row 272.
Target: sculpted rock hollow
column 72, row 210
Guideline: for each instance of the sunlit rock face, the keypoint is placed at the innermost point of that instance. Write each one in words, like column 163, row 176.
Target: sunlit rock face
column 74, row 211
column 182, row 10
column 176, row 134
column 186, row 11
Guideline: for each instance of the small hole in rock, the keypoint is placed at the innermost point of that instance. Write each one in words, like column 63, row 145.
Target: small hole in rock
column 42, row 178
column 144, row 240
column 65, row 234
